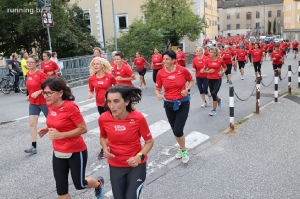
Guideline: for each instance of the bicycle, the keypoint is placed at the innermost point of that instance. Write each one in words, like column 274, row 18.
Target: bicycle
column 7, row 84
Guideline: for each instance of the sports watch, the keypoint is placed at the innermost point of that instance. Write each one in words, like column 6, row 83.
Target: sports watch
column 142, row 156
column 188, row 90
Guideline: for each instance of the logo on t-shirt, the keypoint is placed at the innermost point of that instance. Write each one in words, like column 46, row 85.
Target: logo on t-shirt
column 131, row 121
column 61, row 109
column 172, row 77
column 100, row 82
column 53, row 113
column 29, row 78
column 120, row 128
column 46, row 66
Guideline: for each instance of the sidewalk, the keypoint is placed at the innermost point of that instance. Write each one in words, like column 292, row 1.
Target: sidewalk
column 260, row 161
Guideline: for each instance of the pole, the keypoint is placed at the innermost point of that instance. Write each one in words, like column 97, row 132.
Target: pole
column 231, row 107
column 48, row 31
column 276, row 86
column 290, row 79
column 115, row 33
column 299, row 74
column 257, row 94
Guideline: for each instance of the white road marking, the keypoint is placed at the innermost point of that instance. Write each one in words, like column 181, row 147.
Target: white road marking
column 87, row 107
column 193, row 139
column 159, row 128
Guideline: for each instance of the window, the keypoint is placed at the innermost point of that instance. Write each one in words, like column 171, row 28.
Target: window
column 228, row 27
column 86, row 16
column 298, row 18
column 237, row 15
column 238, row 26
column 248, row 26
column 216, row 23
column 209, row 22
column 278, row 13
column 269, row 13
column 228, row 16
column 122, row 21
column 257, row 15
column 218, row 27
column 257, row 25
column 205, row 4
column 299, row 6
column 248, row 15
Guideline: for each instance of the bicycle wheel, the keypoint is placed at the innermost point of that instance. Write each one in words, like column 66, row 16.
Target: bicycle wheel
column 5, row 86
column 22, row 85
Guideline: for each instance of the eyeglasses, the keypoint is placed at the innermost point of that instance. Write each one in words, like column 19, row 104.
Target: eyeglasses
column 49, row 93
column 30, row 62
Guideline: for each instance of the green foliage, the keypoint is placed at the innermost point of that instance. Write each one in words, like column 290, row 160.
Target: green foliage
column 174, row 18
column 274, row 26
column 23, row 31
column 269, row 27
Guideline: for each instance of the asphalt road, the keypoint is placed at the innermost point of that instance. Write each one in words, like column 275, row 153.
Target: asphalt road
column 30, row 176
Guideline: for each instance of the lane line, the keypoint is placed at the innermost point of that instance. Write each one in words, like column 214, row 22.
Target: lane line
column 159, row 128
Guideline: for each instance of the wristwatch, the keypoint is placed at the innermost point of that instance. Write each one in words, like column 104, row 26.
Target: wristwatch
column 188, row 90
column 142, row 156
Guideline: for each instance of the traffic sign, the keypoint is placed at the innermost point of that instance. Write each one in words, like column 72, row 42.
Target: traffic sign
column 47, row 19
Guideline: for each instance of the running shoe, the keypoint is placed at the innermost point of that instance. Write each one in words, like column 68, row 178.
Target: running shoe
column 145, row 86
column 230, row 82
column 235, row 69
column 227, row 81
column 101, row 154
column 185, row 157
column 213, row 112
column 99, row 191
column 30, row 150
column 220, row 103
column 210, row 99
column 280, row 78
column 204, row 105
column 178, row 154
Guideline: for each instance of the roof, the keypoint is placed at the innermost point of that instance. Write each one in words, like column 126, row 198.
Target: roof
column 244, row 3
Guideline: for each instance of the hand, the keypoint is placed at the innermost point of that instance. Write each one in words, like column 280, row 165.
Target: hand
column 50, row 73
column 220, row 73
column 160, row 97
column 107, row 153
column 42, row 131
column 193, row 69
column 119, row 78
column 202, row 70
column 90, row 95
column 184, row 93
column 134, row 161
column 54, row 134
column 211, row 70
column 35, row 94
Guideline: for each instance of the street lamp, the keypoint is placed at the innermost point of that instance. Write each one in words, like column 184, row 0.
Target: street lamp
column 115, row 32
column 279, row 29
column 264, row 17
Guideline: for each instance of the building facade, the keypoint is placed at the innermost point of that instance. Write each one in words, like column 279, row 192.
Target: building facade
column 291, row 14
column 249, row 17
column 211, row 17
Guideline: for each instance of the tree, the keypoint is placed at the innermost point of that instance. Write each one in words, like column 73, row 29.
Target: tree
column 174, row 18
column 22, row 30
column 269, row 27
column 274, row 26
column 139, row 37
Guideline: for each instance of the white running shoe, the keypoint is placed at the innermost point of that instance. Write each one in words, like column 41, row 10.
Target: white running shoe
column 210, row 99
column 204, row 105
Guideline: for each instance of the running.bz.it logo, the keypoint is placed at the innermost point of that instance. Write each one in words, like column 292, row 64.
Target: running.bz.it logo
column 120, row 128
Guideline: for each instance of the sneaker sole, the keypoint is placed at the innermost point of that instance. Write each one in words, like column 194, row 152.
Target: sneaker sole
column 102, row 188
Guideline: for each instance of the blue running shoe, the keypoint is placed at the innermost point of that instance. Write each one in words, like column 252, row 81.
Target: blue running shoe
column 213, row 112
column 220, row 103
column 99, row 192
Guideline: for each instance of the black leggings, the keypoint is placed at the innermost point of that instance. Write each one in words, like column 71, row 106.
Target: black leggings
column 76, row 163
column 228, row 71
column 214, row 87
column 250, row 57
column 202, row 84
column 178, row 118
column 241, row 64
column 154, row 74
column 127, row 182
column 257, row 66
column 101, row 109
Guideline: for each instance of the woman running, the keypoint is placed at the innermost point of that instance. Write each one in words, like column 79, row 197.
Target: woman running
column 98, row 53
column 257, row 59
column 122, row 70
column 54, row 57
column 121, row 129
column 180, row 57
column 234, row 59
column 215, row 68
column 242, row 58
column 201, row 78
column 65, row 125
column 295, row 46
column 37, row 103
column 277, row 58
column 99, row 82
column 48, row 66
column 139, row 62
column 156, row 63
column 227, row 57
column 177, row 99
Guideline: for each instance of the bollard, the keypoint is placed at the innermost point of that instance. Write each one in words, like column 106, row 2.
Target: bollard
column 276, row 86
column 290, row 79
column 257, row 94
column 299, row 74
column 231, row 107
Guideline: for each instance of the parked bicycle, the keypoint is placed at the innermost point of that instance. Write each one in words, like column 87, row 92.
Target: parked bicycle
column 7, row 84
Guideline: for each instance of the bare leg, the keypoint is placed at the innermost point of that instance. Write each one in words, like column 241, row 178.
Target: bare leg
column 203, row 97
column 33, row 119
column 181, row 142
column 66, row 196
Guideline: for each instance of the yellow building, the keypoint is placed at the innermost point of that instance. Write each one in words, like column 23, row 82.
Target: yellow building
column 211, row 17
column 291, row 21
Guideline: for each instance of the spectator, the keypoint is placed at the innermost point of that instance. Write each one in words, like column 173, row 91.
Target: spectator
column 14, row 70
column 24, row 67
column 54, row 57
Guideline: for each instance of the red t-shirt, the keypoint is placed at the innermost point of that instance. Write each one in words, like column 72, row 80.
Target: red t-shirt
column 101, row 85
column 241, row 54
column 257, row 55
column 227, row 56
column 282, row 47
column 124, row 136
column 157, row 59
column 180, row 55
column 278, row 57
column 101, row 56
column 124, row 72
column 199, row 64
column 216, row 65
column 139, row 62
column 271, row 46
column 49, row 67
column 295, row 44
column 206, row 53
column 173, row 82
column 65, row 118
column 33, row 83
